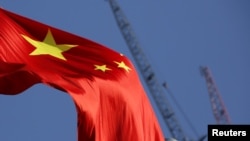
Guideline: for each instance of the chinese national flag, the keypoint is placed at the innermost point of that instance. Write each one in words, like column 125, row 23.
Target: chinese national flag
column 110, row 100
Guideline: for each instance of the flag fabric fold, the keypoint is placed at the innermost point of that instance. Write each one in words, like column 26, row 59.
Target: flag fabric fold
column 110, row 101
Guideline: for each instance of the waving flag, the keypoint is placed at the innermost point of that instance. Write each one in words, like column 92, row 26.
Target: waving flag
column 104, row 85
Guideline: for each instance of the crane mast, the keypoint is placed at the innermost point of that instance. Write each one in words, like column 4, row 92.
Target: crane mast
column 218, row 108
column 147, row 73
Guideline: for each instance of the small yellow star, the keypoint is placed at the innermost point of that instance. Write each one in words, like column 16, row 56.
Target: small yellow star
column 123, row 65
column 48, row 46
column 102, row 68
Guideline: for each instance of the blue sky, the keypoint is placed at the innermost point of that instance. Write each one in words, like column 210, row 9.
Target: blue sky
column 177, row 36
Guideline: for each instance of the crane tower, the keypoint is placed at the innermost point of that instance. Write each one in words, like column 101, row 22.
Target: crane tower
column 147, row 73
column 219, row 110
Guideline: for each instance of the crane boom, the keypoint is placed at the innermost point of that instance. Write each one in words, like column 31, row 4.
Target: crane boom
column 147, row 73
column 219, row 110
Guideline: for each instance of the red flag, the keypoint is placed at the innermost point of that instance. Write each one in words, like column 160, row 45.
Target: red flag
column 110, row 100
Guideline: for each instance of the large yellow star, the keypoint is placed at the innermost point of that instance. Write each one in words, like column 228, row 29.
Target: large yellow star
column 123, row 65
column 48, row 46
column 102, row 68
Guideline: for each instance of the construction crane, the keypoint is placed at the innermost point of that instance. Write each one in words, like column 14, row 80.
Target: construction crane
column 219, row 110
column 148, row 74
